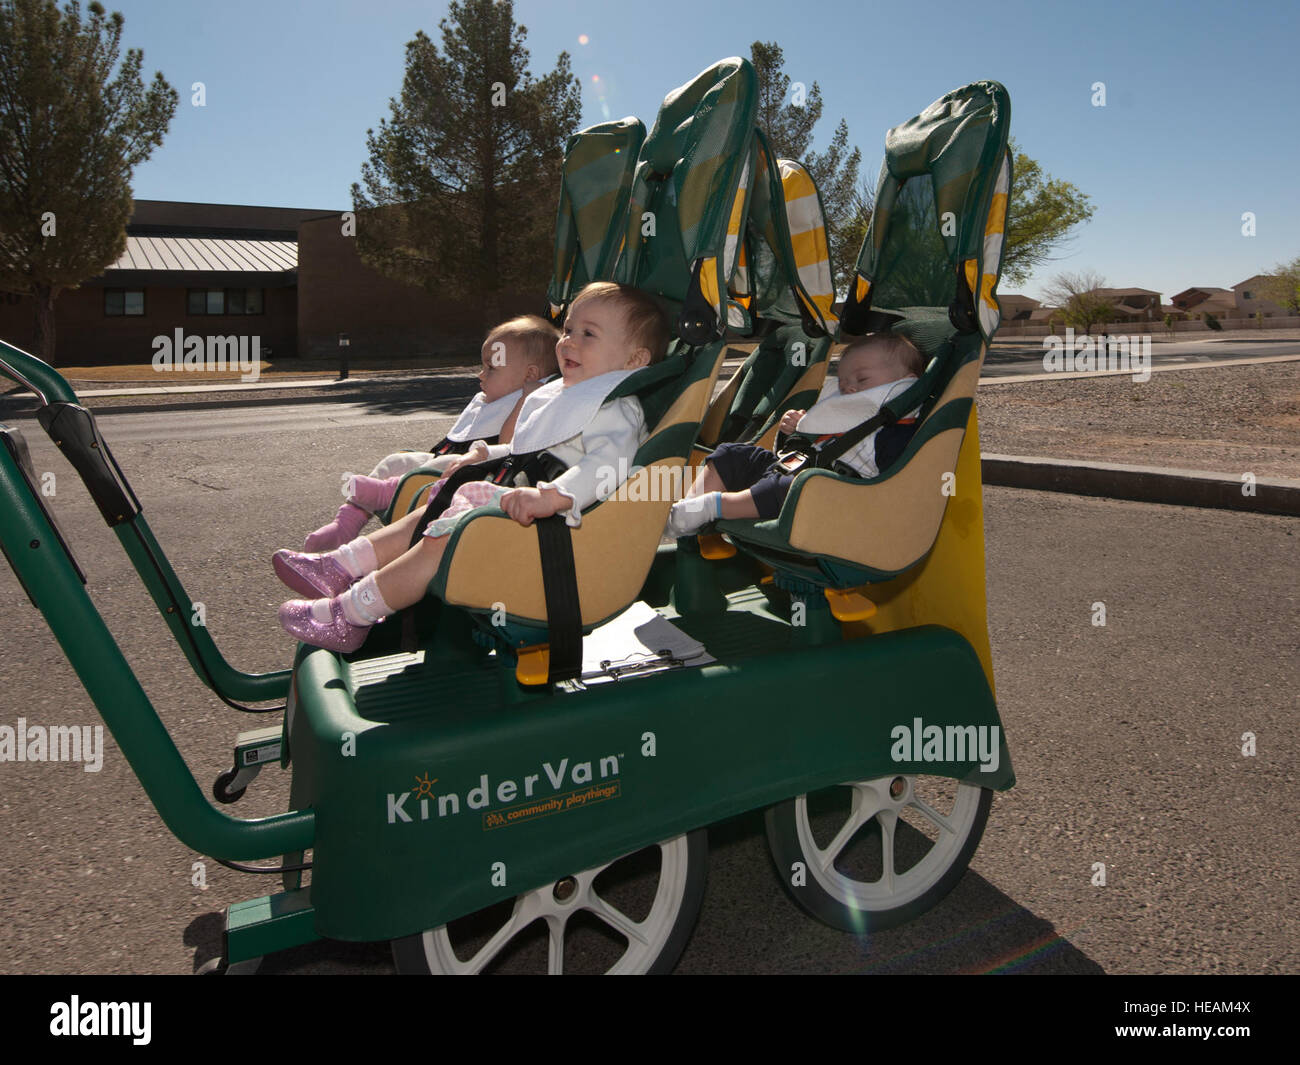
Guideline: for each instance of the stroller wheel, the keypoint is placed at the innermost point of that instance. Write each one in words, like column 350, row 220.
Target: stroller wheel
column 221, row 788
column 876, row 853
column 633, row 915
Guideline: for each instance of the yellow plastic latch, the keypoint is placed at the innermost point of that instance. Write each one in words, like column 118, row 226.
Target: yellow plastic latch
column 534, row 666
column 715, row 546
column 850, row 605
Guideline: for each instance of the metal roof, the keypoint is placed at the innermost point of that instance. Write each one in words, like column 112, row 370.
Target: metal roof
column 212, row 254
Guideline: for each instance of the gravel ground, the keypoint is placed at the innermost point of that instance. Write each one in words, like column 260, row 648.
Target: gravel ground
column 1229, row 419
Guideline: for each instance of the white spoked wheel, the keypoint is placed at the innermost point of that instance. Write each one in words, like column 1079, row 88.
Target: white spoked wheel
column 633, row 915
column 876, row 853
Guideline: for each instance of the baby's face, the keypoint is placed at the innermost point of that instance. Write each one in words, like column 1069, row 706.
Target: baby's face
column 504, row 367
column 867, row 367
column 596, row 341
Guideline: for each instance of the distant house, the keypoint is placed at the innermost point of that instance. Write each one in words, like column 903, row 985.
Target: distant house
column 1133, row 304
column 1017, row 308
column 1193, row 297
column 1249, row 301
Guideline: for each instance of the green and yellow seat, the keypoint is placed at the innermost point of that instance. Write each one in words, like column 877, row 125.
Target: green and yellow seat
column 928, row 269
column 786, row 241
column 688, row 202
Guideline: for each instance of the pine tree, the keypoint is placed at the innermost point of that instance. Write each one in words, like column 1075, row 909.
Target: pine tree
column 789, row 127
column 70, row 136
column 460, row 189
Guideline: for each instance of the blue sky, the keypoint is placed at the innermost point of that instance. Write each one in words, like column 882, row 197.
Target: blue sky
column 1199, row 124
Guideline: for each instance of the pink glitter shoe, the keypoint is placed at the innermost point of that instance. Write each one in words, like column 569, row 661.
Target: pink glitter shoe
column 316, row 576
column 338, row 634
column 346, row 526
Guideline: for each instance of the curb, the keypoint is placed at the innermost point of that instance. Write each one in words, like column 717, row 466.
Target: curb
column 1146, row 484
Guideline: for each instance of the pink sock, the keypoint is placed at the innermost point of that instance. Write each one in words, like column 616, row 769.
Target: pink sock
column 357, row 557
column 371, row 493
column 347, row 525
column 362, row 604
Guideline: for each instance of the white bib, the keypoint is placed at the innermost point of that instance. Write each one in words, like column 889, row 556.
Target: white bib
column 481, row 419
column 553, row 414
column 836, row 412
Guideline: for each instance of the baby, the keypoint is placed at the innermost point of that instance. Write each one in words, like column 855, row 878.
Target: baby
column 610, row 332
column 516, row 355
column 745, row 481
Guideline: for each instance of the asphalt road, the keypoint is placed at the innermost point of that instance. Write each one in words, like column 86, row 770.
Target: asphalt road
column 1013, row 358
column 1126, row 738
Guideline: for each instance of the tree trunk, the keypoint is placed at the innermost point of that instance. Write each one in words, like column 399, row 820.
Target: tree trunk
column 43, row 295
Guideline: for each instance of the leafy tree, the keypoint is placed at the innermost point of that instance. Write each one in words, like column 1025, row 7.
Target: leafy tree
column 1042, row 211
column 788, row 124
column 460, row 184
column 789, row 127
column 1081, row 304
column 70, row 136
column 1283, row 286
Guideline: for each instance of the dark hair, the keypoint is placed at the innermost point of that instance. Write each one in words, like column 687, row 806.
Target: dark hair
column 646, row 322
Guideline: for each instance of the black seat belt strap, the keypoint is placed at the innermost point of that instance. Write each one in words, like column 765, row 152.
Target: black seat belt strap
column 563, row 608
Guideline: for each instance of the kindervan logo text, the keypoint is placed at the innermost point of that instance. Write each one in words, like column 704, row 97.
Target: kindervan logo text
column 181, row 352
column 582, row 775
column 952, row 743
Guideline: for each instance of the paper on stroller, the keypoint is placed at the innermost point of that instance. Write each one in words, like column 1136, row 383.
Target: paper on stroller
column 638, row 642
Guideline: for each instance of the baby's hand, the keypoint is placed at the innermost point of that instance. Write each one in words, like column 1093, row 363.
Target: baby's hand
column 477, row 453
column 790, row 420
column 526, row 505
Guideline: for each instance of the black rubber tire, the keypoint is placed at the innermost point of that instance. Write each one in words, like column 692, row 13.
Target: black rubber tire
column 221, row 788
column 410, row 957
column 785, row 848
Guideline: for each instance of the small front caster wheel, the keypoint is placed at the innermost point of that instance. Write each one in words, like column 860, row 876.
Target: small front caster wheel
column 222, row 791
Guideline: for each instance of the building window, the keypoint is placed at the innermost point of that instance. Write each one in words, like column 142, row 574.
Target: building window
column 128, row 302
column 224, row 301
column 1247, row 296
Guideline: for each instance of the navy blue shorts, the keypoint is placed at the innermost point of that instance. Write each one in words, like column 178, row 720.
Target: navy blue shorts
column 745, row 466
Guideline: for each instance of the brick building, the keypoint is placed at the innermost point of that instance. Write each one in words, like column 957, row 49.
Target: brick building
column 288, row 276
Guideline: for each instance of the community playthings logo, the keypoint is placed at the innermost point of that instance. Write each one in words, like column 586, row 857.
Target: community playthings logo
column 1089, row 354
column 555, row 788
column 179, row 352
column 919, row 742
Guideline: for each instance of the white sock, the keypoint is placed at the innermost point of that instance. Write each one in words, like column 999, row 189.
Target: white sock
column 693, row 513
column 362, row 604
column 357, row 557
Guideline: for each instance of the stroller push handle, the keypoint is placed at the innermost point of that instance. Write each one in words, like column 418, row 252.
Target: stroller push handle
column 36, row 376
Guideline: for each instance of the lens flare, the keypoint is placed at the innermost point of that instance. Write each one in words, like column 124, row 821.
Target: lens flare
column 583, row 38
